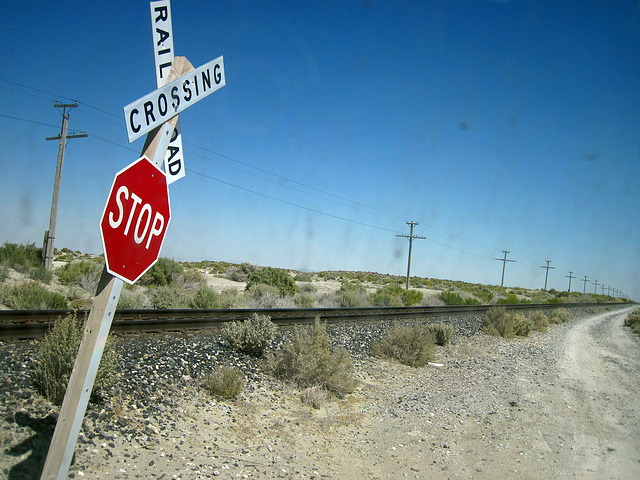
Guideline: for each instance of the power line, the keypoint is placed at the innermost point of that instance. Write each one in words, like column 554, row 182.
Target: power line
column 289, row 203
column 280, row 180
column 29, row 121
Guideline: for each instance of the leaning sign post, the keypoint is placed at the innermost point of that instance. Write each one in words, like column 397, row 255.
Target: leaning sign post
column 134, row 222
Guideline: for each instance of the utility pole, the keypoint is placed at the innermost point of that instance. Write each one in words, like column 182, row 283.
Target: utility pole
column 411, row 236
column 570, row 276
column 50, row 235
column 595, row 286
column 504, row 264
column 609, row 290
column 547, row 274
column 603, row 287
column 584, row 289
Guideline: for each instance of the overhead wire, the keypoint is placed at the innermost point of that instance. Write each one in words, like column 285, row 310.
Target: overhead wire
column 320, row 193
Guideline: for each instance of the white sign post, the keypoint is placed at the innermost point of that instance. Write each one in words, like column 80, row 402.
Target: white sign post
column 163, row 53
column 158, row 109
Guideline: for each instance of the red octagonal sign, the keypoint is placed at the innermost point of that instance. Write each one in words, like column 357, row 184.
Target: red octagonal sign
column 135, row 220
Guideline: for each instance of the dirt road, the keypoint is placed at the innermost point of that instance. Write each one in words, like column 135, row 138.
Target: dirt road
column 565, row 404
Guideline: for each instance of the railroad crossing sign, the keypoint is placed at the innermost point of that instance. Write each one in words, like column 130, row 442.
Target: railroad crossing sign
column 166, row 102
column 135, row 220
column 163, row 54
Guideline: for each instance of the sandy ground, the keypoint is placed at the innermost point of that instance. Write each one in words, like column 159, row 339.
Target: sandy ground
column 562, row 404
column 565, row 404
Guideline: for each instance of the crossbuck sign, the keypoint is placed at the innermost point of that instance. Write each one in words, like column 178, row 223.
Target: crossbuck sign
column 135, row 213
column 166, row 102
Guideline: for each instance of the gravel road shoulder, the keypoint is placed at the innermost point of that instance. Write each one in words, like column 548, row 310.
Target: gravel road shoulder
column 562, row 404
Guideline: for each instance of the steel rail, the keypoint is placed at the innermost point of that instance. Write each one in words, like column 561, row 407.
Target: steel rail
column 26, row 324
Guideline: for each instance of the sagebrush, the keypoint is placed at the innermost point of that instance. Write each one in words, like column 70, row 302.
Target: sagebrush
column 308, row 361
column 633, row 322
column 412, row 346
column 57, row 355
column 225, row 382
column 251, row 336
column 442, row 334
column 559, row 315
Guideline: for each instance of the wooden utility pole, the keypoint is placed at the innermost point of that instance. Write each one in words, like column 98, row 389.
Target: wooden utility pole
column 570, row 276
column 595, row 286
column 50, row 235
column 547, row 274
column 584, row 288
column 504, row 264
column 411, row 236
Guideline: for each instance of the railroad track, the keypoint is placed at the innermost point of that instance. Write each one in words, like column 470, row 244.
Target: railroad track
column 26, row 324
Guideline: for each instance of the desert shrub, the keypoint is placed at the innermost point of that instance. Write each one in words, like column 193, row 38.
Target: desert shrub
column 251, row 336
column 394, row 289
column 302, row 277
column 484, row 294
column 451, row 298
column 412, row 297
column 472, row 301
column 57, row 355
column 41, row 274
column 239, row 273
column 412, row 346
column 84, row 273
column 204, row 298
column 162, row 273
column 266, row 296
column 229, row 298
column 308, row 361
column 314, row 397
column 512, row 299
column 351, row 295
column 275, row 277
column 308, row 288
column 21, row 258
column 169, row 296
column 130, row 301
column 522, row 325
column 540, row 321
column 225, row 382
column 633, row 322
column 191, row 280
column 387, row 297
column 442, row 333
column 304, row 300
column 25, row 259
column 498, row 322
column 31, row 296
column 559, row 315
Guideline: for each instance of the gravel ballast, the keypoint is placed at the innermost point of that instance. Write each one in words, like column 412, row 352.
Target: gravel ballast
column 478, row 415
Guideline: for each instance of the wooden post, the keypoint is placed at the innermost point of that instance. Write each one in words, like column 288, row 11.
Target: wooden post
column 95, row 334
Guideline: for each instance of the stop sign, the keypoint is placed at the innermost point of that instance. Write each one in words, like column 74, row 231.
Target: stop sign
column 135, row 220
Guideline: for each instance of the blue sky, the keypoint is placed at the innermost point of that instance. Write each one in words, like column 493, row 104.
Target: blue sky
column 497, row 125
